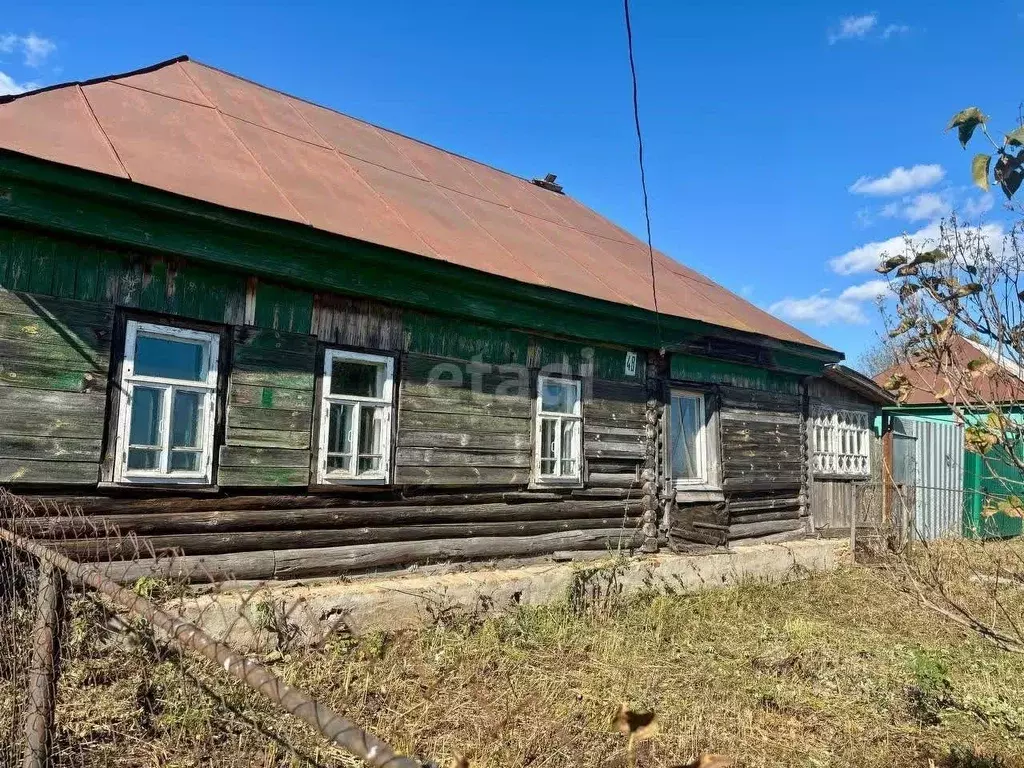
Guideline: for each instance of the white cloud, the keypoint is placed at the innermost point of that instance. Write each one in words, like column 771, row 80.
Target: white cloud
column 822, row 309
column 978, row 206
column 9, row 86
column 894, row 29
column 923, row 207
column 899, row 181
column 35, row 49
column 853, row 28
column 868, row 256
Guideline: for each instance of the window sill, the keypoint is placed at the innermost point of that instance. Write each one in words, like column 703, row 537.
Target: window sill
column 568, row 484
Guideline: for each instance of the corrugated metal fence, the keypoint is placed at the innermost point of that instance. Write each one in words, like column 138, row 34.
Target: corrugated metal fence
column 939, row 469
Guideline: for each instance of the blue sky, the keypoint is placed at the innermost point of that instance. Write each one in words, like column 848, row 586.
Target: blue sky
column 784, row 140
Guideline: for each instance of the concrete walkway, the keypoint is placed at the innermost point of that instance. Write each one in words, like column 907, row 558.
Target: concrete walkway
column 310, row 612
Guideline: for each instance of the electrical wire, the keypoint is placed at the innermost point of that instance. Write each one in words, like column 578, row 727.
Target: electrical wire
column 643, row 173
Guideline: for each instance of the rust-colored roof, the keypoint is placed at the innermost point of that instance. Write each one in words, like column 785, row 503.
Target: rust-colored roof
column 196, row 131
column 1002, row 385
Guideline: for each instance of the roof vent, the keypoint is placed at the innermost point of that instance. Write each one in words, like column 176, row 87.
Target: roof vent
column 548, row 183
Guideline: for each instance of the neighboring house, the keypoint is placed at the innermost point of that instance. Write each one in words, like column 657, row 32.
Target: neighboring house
column 287, row 343
column 953, row 483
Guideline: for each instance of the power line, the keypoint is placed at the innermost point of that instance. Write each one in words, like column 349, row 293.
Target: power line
column 643, row 174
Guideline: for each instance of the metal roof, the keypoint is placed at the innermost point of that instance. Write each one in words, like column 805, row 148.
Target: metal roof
column 191, row 129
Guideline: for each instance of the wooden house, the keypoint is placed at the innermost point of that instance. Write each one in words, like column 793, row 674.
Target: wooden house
column 283, row 342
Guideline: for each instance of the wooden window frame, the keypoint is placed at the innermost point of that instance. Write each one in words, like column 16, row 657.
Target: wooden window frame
column 707, row 444
column 325, row 399
column 576, row 417
column 209, row 389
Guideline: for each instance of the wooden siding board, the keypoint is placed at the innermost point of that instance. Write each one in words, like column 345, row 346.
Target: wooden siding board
column 41, row 471
column 451, row 338
column 358, row 323
column 705, row 370
column 282, row 308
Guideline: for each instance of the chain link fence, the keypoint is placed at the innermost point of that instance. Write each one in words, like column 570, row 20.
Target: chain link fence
column 158, row 671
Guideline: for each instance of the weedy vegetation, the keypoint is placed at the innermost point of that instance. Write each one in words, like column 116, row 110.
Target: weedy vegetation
column 840, row 669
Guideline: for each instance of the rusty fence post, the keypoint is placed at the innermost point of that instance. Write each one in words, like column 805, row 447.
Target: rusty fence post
column 43, row 669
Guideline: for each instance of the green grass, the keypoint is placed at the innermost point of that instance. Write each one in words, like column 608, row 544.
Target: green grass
column 836, row 670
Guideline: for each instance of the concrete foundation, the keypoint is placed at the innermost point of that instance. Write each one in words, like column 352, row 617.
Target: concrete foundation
column 307, row 613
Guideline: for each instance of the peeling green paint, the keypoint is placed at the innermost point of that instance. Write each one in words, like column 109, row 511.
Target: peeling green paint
column 708, row 371
column 459, row 340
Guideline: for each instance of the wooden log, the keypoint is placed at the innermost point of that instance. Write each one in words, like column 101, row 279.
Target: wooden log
column 269, row 419
column 24, row 471
column 610, row 450
column 263, row 477
column 758, row 505
column 760, row 517
column 760, row 483
column 477, row 441
column 413, row 475
column 49, row 448
column 268, row 438
column 752, row 530
column 456, row 457
column 240, row 456
column 458, row 422
column 613, row 480
column 43, row 667
column 271, row 397
column 331, row 561
column 130, row 547
column 159, row 523
column 453, row 401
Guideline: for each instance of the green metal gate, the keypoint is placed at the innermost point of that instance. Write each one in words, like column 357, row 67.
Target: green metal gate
column 988, row 480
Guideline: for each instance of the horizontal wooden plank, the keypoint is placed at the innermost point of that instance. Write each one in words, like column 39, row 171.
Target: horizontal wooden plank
column 616, row 480
column 412, row 475
column 463, row 423
column 36, row 375
column 267, row 438
column 259, row 376
column 50, row 330
column 239, row 456
column 262, row 476
column 612, row 450
column 618, row 391
column 144, row 520
column 485, row 405
column 49, row 448
column 271, row 397
column 67, row 312
column 269, row 418
column 616, row 433
column 49, row 472
column 762, row 417
column 613, row 410
column 71, row 355
column 455, row 457
column 249, row 340
column 328, row 561
column 418, row 438
column 51, row 414
column 106, row 547
column 744, row 484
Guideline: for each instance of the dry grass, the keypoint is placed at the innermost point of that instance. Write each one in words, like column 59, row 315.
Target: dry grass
column 837, row 670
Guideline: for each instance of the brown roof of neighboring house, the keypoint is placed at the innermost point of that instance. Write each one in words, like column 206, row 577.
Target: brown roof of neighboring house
column 1005, row 384
column 187, row 128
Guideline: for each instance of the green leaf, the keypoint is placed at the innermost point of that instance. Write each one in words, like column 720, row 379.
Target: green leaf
column 1015, row 138
column 1011, row 182
column 965, row 121
column 890, row 264
column 979, row 170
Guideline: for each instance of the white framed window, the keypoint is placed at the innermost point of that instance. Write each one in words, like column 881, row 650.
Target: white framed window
column 559, row 431
column 168, row 403
column 356, row 407
column 691, row 464
column 840, row 442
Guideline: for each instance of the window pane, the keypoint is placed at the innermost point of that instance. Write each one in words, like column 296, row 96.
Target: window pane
column 687, row 464
column 558, row 396
column 339, row 429
column 170, row 358
column 147, row 413
column 569, row 457
column 548, row 438
column 349, row 377
column 185, row 461
column 370, row 423
column 143, row 458
column 186, row 418
column 338, row 463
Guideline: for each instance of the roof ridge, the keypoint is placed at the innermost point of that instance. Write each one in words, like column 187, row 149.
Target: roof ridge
column 8, row 98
